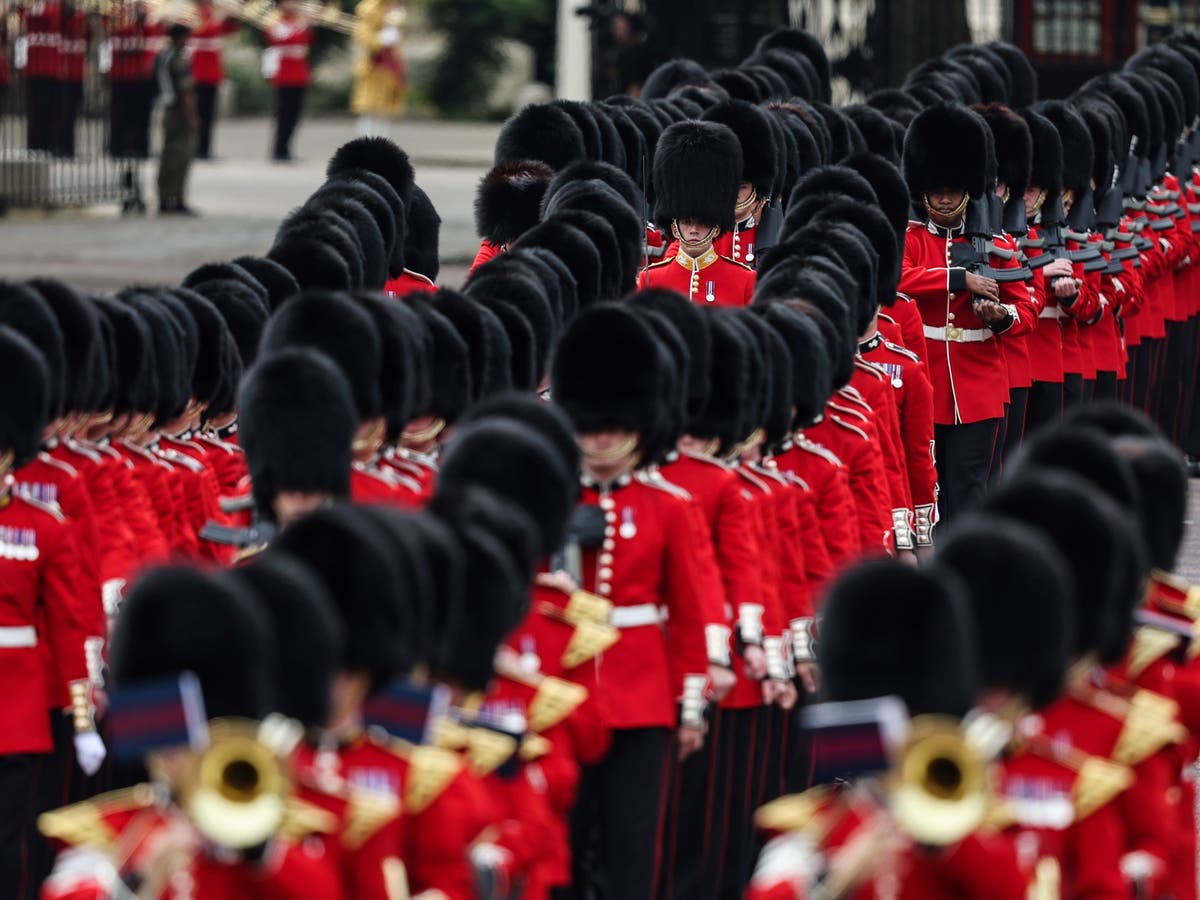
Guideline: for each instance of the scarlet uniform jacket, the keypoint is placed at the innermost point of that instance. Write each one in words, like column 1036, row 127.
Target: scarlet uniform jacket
column 205, row 46
column 712, row 279
column 43, row 35
column 409, row 282
column 39, row 602
column 966, row 363
column 290, row 37
column 829, row 480
column 647, row 562
column 134, row 46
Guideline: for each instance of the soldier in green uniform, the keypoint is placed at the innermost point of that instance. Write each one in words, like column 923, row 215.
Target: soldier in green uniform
column 180, row 123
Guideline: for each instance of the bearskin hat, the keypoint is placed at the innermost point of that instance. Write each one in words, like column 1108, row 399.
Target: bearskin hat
column 178, row 619
column 803, row 44
column 1021, row 597
column 897, row 104
column 244, row 314
column 509, row 200
column 697, row 170
column 543, row 132
column 366, row 197
column 165, row 357
column 872, row 223
column 134, row 374
column 533, row 415
column 520, row 293
column 23, row 309
column 330, row 228
column 24, row 413
column 308, row 635
column 376, row 254
column 450, row 367
column 79, row 326
column 876, row 130
column 694, row 328
column 729, row 376
column 760, row 156
column 312, row 263
column 277, row 400
column 538, row 266
column 1023, row 82
column 946, row 146
column 212, row 341
column 889, row 629
column 671, row 75
column 596, row 393
column 424, row 232
column 364, row 577
column 675, row 364
column 399, row 357
column 778, row 399
column 612, row 149
column 466, row 317
column 279, row 282
column 585, row 120
column 1046, row 169
column 380, row 156
column 889, row 187
column 519, row 466
column 1076, row 144
column 333, row 324
column 498, row 376
column 638, row 156
column 796, row 72
column 575, row 249
column 628, row 229
column 603, row 236
column 1162, row 478
column 1013, row 143
column 812, row 379
column 397, row 208
column 216, row 271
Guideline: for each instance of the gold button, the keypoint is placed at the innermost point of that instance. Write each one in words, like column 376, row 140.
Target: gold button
column 950, row 316
column 607, row 503
column 606, row 573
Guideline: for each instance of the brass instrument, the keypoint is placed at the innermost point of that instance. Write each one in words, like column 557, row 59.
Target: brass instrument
column 938, row 789
column 327, row 15
column 235, row 792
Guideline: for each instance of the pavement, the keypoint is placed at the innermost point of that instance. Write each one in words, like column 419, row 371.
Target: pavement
column 242, row 197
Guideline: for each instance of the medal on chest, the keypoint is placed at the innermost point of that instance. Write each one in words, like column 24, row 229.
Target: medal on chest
column 628, row 529
column 19, row 544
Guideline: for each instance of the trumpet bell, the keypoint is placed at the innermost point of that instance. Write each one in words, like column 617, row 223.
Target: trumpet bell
column 940, row 794
column 238, row 798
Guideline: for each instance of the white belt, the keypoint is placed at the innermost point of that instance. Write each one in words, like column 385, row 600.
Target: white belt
column 44, row 40
column 205, row 44
column 13, row 636
column 293, row 51
column 1051, row 312
column 958, row 335
column 75, row 47
column 635, row 616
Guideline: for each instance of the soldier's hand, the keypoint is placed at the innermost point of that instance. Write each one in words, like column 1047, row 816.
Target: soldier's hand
column 1058, row 268
column 756, row 662
column 690, row 740
column 908, row 557
column 983, row 286
column 810, row 676
column 925, row 554
column 989, row 312
column 1066, row 287
column 721, row 681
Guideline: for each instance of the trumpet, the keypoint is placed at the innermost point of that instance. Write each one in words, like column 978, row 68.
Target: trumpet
column 327, row 15
column 235, row 792
column 938, row 789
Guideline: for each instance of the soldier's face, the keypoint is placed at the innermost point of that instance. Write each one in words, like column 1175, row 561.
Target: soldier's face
column 1068, row 200
column 1034, row 197
column 608, row 454
column 693, row 231
column 944, row 201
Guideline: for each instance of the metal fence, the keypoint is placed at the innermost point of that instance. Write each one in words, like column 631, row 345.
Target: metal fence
column 56, row 138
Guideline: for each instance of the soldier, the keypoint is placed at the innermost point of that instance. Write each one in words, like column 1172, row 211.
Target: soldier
column 207, row 71
column 285, row 65
column 133, row 42
column 179, row 123
column 42, row 37
column 697, row 170
column 75, row 25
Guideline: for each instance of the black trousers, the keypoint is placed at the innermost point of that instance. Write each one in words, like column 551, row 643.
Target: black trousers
column 692, row 829
column 745, row 750
column 288, row 103
column 1072, row 389
column 964, row 458
column 1176, row 359
column 1045, row 405
column 616, row 825
column 206, row 112
column 70, row 97
column 1014, row 425
column 129, row 119
column 1142, row 370
column 57, row 781
column 41, row 110
column 16, row 816
column 1106, row 386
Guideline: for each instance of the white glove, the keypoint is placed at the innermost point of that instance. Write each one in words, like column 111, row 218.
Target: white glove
column 389, row 37
column 89, row 751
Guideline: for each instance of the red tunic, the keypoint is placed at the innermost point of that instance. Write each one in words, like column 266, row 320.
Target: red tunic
column 829, row 480
column 409, row 282
column 290, row 37
column 205, row 45
column 134, row 46
column 711, row 279
column 73, row 48
column 42, row 27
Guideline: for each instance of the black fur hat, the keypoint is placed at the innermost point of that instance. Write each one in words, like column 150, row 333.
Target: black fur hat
column 336, row 326
column 897, row 104
column 379, row 209
column 1021, row 597
column 585, row 120
column 216, row 271
column 518, row 465
column 213, row 339
column 835, row 179
column 308, row 635
column 508, row 201
column 1132, row 106
column 778, row 397
column 279, row 282
column 598, row 170
column 312, row 263
column 499, row 365
column 797, row 73
column 612, row 148
column 397, row 208
column 533, row 415
column 244, row 314
column 376, row 252
column 760, row 156
column 166, row 356
column 380, row 156
column 80, row 328
column 1076, row 144
column 605, row 372
column 329, row 228
column 946, row 146
column 1162, row 479
column 1014, row 146
column 731, row 372
column 24, row 413
column 889, row 187
column 876, row 129
column 523, row 293
column 23, row 309
column 811, row 375
column 1023, row 82
column 889, row 629
column 134, row 372
column 400, row 355
column 543, row 132
column 178, row 619
column 806, row 45
column 872, row 223
column 672, row 75
column 597, row 197
column 450, row 366
column 675, row 365
column 576, row 251
column 638, row 156
column 694, row 327
column 467, row 318
column 1046, row 169
column 543, row 267
column 279, row 400
column 363, row 575
column 603, row 236
column 697, row 170
column 424, row 232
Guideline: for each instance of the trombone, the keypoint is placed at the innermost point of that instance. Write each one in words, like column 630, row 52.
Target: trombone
column 328, row 15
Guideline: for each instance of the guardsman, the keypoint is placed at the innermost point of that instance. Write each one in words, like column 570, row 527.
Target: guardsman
column 133, row 42
column 508, row 203
column 285, row 65
column 38, row 51
column 944, row 164
column 204, row 45
column 653, row 683
column 42, row 608
column 76, row 28
column 697, row 170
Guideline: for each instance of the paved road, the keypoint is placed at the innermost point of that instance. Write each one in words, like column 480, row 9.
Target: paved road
column 242, row 197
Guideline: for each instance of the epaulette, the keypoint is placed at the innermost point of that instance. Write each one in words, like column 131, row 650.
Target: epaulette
column 53, row 463
column 145, row 454
column 589, row 640
column 1150, row 725
column 711, row 460
column 534, row 747
column 488, row 750
column 847, row 411
column 659, row 264
column 736, row 263
column 430, row 771
column 80, row 450
column 50, row 509
column 214, row 441
column 862, row 434
column 654, row 479
column 180, row 459
column 186, row 442
column 301, row 819
column 366, row 813
column 794, row 812
column 772, row 474
column 1149, row 645
column 904, row 351
column 556, row 698
column 816, row 449
column 751, row 477
column 863, row 366
column 83, row 824
column 1098, row 782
